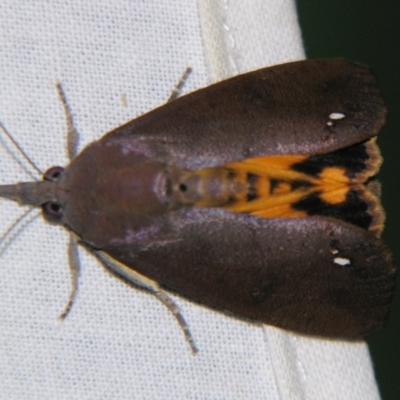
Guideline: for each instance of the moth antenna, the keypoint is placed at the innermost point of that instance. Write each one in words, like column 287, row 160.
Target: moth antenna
column 178, row 87
column 75, row 269
column 142, row 281
column 20, row 149
column 16, row 228
column 72, row 133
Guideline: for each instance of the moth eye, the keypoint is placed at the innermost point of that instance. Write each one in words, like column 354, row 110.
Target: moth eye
column 53, row 211
column 53, row 174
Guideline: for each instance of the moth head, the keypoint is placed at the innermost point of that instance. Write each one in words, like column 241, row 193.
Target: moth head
column 38, row 194
column 52, row 210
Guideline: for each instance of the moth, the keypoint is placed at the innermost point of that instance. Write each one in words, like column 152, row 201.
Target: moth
column 254, row 196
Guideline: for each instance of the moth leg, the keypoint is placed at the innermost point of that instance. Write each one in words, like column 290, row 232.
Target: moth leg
column 178, row 87
column 75, row 269
column 72, row 133
column 142, row 281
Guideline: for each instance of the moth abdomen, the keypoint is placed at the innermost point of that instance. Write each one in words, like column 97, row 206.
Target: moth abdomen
column 207, row 187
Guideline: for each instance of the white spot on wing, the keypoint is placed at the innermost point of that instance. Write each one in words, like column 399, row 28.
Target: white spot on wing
column 336, row 116
column 341, row 261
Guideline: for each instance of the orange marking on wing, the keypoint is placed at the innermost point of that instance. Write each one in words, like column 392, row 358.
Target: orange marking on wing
column 335, row 174
column 273, row 167
column 270, row 186
column 335, row 196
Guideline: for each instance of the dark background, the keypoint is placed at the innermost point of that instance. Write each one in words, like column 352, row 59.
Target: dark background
column 368, row 31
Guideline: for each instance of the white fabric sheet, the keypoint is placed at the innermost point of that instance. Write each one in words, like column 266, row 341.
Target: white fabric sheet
column 116, row 60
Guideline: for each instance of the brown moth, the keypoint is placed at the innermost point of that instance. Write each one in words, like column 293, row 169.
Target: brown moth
column 253, row 196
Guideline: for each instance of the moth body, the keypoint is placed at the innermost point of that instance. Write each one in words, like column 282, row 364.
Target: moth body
column 254, row 196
